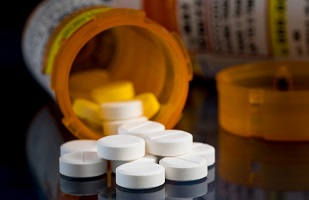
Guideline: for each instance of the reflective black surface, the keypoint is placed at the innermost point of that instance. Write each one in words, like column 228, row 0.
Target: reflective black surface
column 21, row 97
column 46, row 133
column 245, row 168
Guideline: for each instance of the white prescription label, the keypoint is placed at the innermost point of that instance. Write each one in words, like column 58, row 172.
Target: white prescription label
column 192, row 19
column 221, row 33
column 223, row 26
column 298, row 30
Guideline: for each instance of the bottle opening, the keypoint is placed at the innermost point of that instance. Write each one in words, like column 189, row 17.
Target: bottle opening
column 143, row 54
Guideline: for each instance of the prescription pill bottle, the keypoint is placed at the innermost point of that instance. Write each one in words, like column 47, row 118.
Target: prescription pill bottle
column 266, row 99
column 221, row 33
column 62, row 38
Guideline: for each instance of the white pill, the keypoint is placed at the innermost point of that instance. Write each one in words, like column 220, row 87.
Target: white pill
column 140, row 128
column 139, row 175
column 145, row 158
column 78, row 145
column 119, row 110
column 121, row 147
column 205, row 150
column 82, row 164
column 111, row 127
column 169, row 143
column 184, row 168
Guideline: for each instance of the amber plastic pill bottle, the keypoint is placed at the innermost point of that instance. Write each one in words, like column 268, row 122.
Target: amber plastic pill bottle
column 61, row 38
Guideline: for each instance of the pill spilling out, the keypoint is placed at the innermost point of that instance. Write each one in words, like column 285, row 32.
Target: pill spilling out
column 113, row 91
column 140, row 128
column 121, row 147
column 140, row 175
column 142, row 162
column 119, row 110
column 151, row 104
column 145, row 159
column 184, row 168
column 82, row 164
column 142, row 153
column 169, row 143
column 78, row 145
column 108, row 105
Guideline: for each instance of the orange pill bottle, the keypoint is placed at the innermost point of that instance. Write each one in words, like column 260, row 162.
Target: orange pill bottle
column 61, row 38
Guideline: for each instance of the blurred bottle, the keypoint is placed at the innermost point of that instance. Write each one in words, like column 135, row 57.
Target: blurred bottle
column 220, row 33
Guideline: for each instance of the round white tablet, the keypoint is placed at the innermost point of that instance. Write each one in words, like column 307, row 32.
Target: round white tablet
column 78, row 145
column 118, row 110
column 145, row 158
column 140, row 128
column 205, row 150
column 82, row 164
column 140, row 175
column 121, row 147
column 184, row 168
column 169, row 142
column 110, row 127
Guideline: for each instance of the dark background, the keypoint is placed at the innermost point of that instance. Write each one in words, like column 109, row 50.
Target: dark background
column 21, row 98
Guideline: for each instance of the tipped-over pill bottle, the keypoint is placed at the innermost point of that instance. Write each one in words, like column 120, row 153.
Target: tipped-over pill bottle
column 73, row 45
column 221, row 33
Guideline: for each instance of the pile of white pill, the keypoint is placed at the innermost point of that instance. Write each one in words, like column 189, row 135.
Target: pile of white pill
column 143, row 154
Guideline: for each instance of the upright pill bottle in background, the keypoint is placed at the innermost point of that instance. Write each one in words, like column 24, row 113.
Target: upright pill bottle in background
column 221, row 33
column 62, row 38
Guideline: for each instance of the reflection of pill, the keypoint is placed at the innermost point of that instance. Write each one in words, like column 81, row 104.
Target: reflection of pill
column 78, row 145
column 111, row 126
column 190, row 190
column 205, row 150
column 157, row 193
column 151, row 104
column 140, row 128
column 87, row 187
column 121, row 147
column 82, row 164
column 139, row 175
column 87, row 110
column 184, row 168
column 119, row 110
column 169, row 142
column 145, row 158
column 113, row 91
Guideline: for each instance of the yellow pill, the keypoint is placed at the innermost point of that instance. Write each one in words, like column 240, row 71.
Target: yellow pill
column 86, row 80
column 87, row 110
column 113, row 91
column 150, row 102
